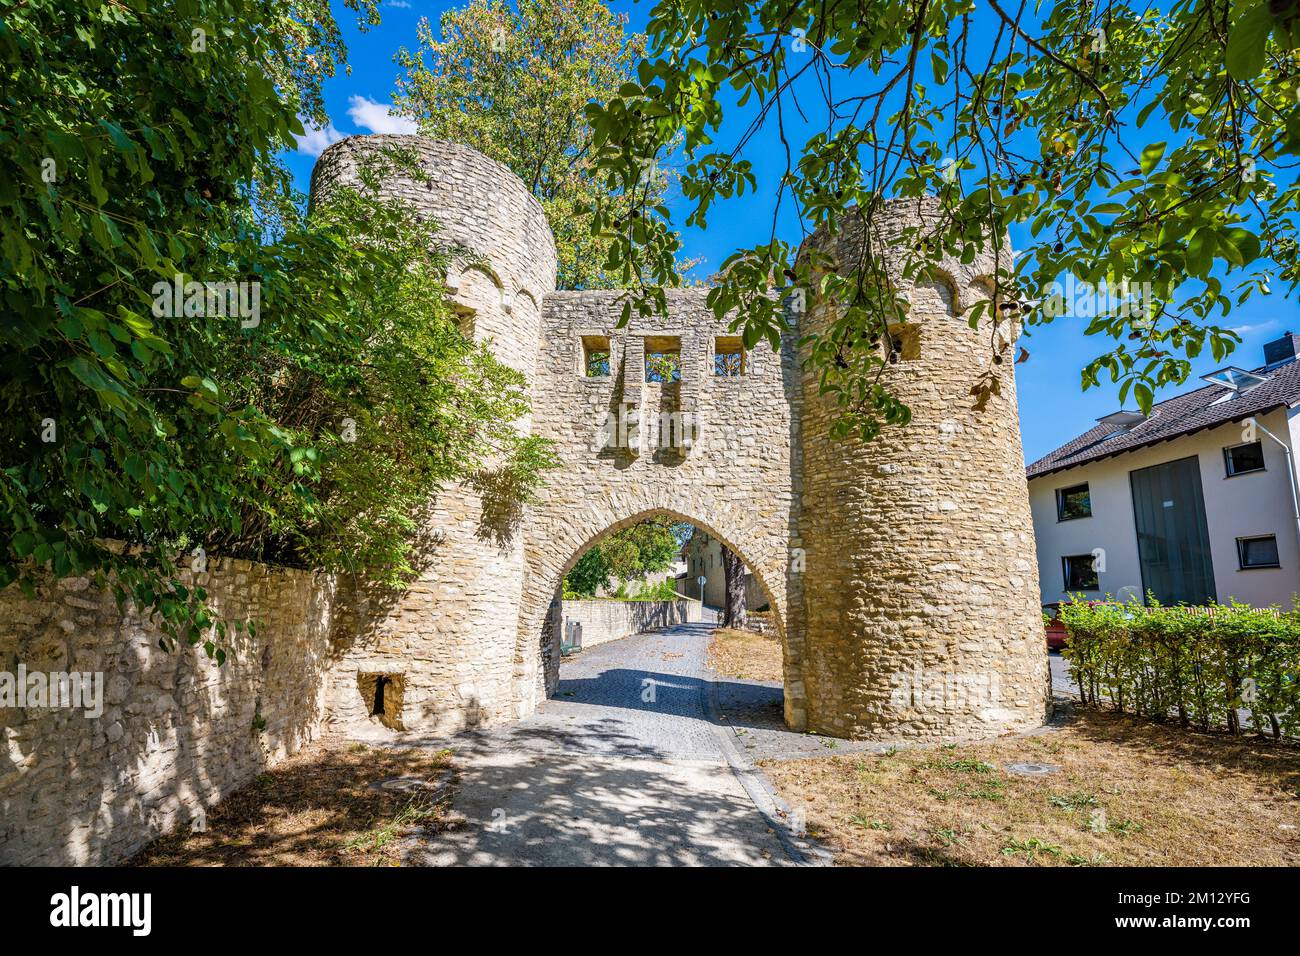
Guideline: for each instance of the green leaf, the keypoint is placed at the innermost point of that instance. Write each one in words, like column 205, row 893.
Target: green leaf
column 23, row 543
column 121, row 141
column 940, row 67
column 1145, row 397
column 1246, row 244
column 1151, row 155
column 1247, row 43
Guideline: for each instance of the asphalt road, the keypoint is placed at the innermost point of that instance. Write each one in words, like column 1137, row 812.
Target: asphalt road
column 624, row 766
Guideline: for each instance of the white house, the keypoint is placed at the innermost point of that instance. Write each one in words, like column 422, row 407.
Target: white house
column 1195, row 502
column 703, row 556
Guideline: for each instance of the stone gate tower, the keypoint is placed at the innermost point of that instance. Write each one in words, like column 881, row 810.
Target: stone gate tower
column 920, row 588
column 447, row 646
column 901, row 573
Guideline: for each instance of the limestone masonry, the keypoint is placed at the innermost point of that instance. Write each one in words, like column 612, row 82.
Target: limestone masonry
column 901, row 573
column 177, row 733
column 893, row 568
column 601, row 620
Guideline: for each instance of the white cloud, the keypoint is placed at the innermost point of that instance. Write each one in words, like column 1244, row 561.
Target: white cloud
column 378, row 117
column 399, row 4
column 1244, row 330
column 314, row 141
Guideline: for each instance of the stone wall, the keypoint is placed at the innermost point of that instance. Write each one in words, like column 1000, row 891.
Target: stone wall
column 604, row 620
column 177, row 732
column 636, row 584
column 907, row 560
column 476, row 640
column 735, row 482
column 489, row 220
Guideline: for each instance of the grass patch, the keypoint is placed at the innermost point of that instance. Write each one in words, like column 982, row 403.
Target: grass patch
column 962, row 765
column 746, row 655
column 316, row 808
column 1127, row 793
column 1073, row 801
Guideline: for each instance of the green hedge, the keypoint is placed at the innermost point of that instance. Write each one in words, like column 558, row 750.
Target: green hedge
column 1199, row 665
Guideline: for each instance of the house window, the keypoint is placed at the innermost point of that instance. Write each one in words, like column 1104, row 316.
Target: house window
column 1073, row 502
column 728, row 356
column 1080, row 572
column 1240, row 459
column 663, row 358
column 595, row 356
column 1257, row 552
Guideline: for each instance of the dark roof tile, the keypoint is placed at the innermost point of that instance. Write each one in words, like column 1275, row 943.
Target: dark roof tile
column 1174, row 418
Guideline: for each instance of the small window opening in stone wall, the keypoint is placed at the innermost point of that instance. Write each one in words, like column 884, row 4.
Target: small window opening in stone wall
column 382, row 695
column 663, row 358
column 728, row 356
column 595, row 356
column 464, row 318
column 904, row 343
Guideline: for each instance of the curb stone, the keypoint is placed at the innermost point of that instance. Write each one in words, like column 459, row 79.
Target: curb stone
column 802, row 850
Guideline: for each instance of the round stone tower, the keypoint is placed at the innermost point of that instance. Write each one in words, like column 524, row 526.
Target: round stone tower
column 441, row 656
column 918, row 579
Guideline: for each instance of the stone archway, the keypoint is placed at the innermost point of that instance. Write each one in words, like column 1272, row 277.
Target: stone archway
column 734, row 478
column 911, row 554
column 546, row 569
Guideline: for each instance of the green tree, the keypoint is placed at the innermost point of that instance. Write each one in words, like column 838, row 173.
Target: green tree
column 644, row 548
column 313, row 51
column 386, row 402
column 141, row 406
column 513, row 82
column 589, row 575
column 1140, row 146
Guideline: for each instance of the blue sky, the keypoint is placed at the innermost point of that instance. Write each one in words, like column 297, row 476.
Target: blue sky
column 1053, row 408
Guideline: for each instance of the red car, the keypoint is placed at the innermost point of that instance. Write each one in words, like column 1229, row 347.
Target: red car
column 1056, row 635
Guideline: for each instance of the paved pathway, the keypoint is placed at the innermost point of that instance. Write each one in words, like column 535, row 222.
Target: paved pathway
column 1060, row 668
column 643, row 758
column 622, row 767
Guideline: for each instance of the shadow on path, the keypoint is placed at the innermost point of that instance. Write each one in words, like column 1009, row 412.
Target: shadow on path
column 621, row 767
column 574, row 809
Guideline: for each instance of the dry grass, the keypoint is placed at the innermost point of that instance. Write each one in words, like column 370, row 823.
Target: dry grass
column 745, row 655
column 316, row 808
column 1127, row 793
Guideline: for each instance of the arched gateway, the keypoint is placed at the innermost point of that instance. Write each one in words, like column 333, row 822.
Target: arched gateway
column 901, row 572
